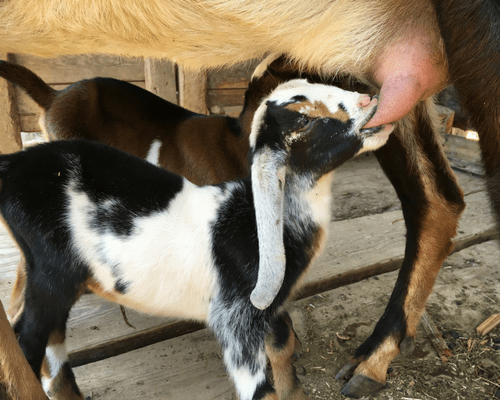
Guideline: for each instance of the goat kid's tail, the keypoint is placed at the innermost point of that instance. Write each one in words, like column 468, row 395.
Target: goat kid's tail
column 31, row 83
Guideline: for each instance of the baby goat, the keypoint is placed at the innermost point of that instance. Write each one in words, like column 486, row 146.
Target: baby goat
column 204, row 149
column 86, row 215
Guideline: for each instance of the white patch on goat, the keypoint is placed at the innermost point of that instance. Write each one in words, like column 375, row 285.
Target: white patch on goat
column 377, row 140
column 319, row 200
column 56, row 355
column 246, row 383
column 154, row 152
column 166, row 260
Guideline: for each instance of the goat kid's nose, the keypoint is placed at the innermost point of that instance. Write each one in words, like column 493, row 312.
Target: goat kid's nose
column 365, row 101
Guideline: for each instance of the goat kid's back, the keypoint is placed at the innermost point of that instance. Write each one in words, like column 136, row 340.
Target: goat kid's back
column 152, row 240
column 204, row 149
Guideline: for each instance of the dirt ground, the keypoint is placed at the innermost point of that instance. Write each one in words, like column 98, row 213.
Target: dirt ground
column 332, row 325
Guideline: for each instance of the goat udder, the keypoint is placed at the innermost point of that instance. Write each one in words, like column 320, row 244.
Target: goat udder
column 409, row 70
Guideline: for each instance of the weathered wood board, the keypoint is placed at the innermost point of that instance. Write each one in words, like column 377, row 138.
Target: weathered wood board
column 10, row 137
column 226, row 88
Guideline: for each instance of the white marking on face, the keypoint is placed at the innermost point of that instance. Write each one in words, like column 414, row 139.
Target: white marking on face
column 154, row 152
column 377, row 140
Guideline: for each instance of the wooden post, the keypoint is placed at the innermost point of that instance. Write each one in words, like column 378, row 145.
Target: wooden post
column 160, row 79
column 17, row 380
column 193, row 90
column 10, row 126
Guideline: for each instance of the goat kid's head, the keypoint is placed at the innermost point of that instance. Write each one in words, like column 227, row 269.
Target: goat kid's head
column 305, row 129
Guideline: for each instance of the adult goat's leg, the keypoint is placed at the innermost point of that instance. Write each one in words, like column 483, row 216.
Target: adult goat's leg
column 432, row 203
column 471, row 33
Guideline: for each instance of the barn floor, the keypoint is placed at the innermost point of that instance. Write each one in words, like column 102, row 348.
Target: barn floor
column 367, row 237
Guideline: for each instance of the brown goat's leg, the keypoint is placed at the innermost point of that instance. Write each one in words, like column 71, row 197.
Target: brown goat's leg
column 432, row 203
column 472, row 42
column 280, row 346
column 16, row 304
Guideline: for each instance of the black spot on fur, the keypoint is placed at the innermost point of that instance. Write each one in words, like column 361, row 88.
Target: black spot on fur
column 263, row 390
column 121, row 286
column 281, row 332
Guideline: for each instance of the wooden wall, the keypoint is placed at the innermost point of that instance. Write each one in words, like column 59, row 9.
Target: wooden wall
column 216, row 92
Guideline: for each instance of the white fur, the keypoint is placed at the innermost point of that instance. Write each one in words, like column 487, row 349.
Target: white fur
column 167, row 258
column 154, row 152
column 246, row 383
column 56, row 355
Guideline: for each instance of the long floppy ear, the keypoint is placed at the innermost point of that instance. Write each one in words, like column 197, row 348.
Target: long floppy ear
column 268, row 183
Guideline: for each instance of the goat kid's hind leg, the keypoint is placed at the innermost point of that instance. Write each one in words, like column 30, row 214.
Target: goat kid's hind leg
column 432, row 203
column 280, row 346
column 241, row 330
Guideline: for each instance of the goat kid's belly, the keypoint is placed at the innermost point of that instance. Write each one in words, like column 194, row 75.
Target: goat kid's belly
column 163, row 267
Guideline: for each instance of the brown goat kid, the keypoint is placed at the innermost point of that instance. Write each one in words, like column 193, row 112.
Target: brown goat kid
column 398, row 47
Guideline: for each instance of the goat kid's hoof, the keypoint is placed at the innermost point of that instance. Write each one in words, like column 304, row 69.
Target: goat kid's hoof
column 361, row 385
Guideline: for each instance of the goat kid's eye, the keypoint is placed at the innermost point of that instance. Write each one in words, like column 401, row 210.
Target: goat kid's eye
column 304, row 125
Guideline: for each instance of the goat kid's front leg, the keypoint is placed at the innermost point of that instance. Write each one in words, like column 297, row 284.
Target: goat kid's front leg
column 432, row 203
column 57, row 377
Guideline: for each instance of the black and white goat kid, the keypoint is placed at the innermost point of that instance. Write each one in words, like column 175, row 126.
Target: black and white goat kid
column 86, row 215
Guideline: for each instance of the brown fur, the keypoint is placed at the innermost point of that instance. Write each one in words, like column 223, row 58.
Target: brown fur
column 17, row 380
column 331, row 36
column 286, row 382
column 320, row 107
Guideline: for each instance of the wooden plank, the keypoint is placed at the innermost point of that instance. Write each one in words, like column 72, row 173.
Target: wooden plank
column 193, row 90
column 226, row 97
column 231, row 111
column 189, row 367
column 230, row 78
column 159, row 76
column 367, row 246
column 435, row 337
column 488, row 325
column 10, row 126
column 69, row 69
column 17, row 380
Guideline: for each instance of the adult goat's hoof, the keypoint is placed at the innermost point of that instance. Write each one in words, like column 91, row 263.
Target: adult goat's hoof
column 361, row 385
column 347, row 370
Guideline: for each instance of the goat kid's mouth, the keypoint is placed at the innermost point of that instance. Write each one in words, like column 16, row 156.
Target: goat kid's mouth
column 375, row 129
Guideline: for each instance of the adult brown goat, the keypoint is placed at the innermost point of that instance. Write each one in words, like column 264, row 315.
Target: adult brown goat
column 394, row 46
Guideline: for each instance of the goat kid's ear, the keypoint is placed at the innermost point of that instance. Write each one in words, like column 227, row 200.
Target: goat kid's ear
column 268, row 183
